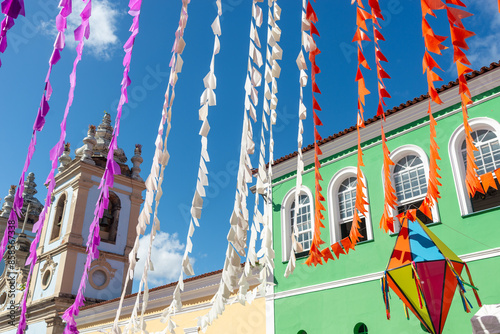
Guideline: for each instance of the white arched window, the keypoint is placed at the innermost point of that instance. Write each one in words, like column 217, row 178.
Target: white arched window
column 304, row 211
column 410, row 174
column 341, row 205
column 485, row 133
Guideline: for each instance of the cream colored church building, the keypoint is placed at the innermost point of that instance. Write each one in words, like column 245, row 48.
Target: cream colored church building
column 62, row 253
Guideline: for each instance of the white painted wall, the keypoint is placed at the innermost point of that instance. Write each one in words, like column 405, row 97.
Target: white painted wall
column 39, row 292
column 114, row 288
column 37, row 328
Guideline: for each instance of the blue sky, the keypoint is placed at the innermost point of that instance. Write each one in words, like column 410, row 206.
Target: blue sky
column 98, row 87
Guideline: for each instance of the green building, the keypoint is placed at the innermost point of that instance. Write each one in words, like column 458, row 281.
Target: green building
column 344, row 296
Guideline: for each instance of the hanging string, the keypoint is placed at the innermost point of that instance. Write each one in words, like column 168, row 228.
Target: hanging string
column 40, row 118
column 361, row 201
column 301, row 63
column 433, row 43
column 266, row 252
column 270, row 101
column 387, row 220
column 315, row 256
column 207, row 99
column 55, row 152
column 12, row 9
column 112, row 167
column 237, row 236
column 155, row 180
column 458, row 38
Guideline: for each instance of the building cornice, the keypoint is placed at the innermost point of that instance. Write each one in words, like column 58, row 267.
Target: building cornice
column 471, row 257
column 397, row 119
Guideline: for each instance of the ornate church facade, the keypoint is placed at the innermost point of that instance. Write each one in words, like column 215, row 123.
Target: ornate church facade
column 62, row 247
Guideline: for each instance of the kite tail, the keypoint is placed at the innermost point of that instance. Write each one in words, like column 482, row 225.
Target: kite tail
column 407, row 314
column 385, row 294
column 473, row 286
column 466, row 303
column 417, row 283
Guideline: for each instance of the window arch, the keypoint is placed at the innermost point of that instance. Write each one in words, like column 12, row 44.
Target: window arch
column 410, row 175
column 109, row 222
column 58, row 217
column 485, row 134
column 341, row 202
column 305, row 222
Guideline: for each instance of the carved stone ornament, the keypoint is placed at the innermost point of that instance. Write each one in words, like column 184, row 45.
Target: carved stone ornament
column 47, row 272
column 101, row 273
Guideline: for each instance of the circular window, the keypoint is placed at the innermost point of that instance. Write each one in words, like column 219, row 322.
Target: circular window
column 46, row 278
column 99, row 278
column 3, row 298
column 360, row 328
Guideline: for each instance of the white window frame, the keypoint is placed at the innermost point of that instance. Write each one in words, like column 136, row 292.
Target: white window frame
column 456, row 160
column 398, row 154
column 286, row 220
column 333, row 204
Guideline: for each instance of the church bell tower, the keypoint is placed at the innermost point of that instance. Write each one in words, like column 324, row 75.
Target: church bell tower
column 62, row 247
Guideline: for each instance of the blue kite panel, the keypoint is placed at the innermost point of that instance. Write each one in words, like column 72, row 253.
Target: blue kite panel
column 421, row 246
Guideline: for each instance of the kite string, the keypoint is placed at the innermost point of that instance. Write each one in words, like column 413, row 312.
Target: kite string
column 302, row 66
column 12, row 9
column 208, row 98
column 112, row 167
column 237, row 236
column 57, row 149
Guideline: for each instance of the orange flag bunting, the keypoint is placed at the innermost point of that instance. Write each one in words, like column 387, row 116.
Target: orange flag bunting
column 315, row 255
column 387, row 221
column 458, row 38
column 433, row 43
column 488, row 181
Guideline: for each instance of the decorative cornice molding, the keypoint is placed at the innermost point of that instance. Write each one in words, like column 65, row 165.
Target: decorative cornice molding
column 480, row 85
column 481, row 255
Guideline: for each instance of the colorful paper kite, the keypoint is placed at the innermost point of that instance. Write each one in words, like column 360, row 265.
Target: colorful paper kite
column 424, row 273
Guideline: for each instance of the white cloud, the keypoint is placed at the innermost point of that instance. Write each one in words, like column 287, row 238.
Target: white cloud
column 166, row 256
column 485, row 46
column 103, row 26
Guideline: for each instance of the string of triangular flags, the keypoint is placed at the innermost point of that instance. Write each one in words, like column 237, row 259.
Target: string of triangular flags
column 237, row 236
column 112, row 167
column 270, row 102
column 12, row 9
column 315, row 256
column 302, row 66
column 58, row 148
column 40, row 119
column 208, row 98
column 154, row 181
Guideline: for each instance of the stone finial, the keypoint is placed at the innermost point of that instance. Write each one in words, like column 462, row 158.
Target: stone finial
column 103, row 136
column 136, row 161
column 87, row 149
column 35, row 207
column 64, row 159
column 9, row 201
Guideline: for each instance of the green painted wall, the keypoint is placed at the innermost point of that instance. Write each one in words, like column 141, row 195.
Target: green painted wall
column 337, row 311
column 342, row 308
